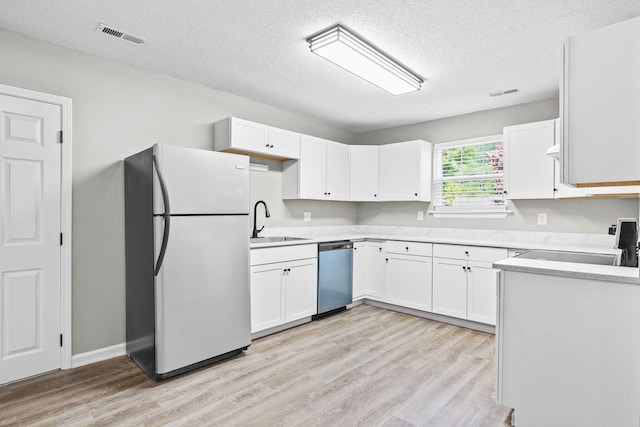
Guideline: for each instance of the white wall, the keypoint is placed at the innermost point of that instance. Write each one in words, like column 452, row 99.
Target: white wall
column 117, row 111
column 569, row 215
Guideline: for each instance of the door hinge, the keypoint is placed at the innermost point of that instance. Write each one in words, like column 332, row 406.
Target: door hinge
column 60, row 340
column 60, row 137
column 60, row 239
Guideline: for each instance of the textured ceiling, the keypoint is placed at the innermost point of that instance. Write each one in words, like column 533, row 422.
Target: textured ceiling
column 257, row 49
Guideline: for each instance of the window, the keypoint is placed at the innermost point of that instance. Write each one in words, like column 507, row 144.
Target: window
column 468, row 178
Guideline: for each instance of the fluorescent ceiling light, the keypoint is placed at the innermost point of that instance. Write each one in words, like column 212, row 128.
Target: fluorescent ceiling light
column 345, row 49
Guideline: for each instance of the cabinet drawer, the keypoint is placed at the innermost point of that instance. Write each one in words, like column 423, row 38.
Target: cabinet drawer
column 409, row 248
column 283, row 253
column 474, row 253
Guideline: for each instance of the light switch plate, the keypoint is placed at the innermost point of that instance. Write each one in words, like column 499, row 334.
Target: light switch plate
column 542, row 218
column 307, row 216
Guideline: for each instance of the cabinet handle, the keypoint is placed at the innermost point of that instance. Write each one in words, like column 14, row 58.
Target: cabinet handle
column 415, row 194
column 386, row 259
column 266, row 145
column 271, row 146
column 555, row 189
column 325, row 193
column 466, row 253
column 380, row 249
column 469, row 269
column 505, row 192
column 375, row 195
column 464, row 268
column 407, row 248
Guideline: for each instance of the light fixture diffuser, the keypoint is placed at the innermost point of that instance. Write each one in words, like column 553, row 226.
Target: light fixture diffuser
column 345, row 49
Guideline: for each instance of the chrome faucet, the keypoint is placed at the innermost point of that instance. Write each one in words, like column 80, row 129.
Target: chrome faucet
column 255, row 232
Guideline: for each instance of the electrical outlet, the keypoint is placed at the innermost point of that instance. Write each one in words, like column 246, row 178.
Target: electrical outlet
column 420, row 215
column 307, row 216
column 542, row 218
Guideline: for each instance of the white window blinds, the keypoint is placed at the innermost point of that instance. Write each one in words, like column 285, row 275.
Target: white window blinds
column 468, row 175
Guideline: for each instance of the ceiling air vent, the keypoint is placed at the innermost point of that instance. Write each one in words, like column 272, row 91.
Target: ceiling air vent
column 503, row 92
column 103, row 28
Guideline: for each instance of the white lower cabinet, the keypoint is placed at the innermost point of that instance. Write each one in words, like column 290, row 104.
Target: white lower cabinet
column 409, row 281
column 369, row 270
column 266, row 297
column 464, row 282
column 409, row 274
column 283, row 288
column 450, row 287
column 481, row 298
column 300, row 290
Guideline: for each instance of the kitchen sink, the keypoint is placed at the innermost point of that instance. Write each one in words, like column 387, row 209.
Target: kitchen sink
column 275, row 239
column 577, row 257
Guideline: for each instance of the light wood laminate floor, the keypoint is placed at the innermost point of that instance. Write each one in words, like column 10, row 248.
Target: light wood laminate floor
column 367, row 366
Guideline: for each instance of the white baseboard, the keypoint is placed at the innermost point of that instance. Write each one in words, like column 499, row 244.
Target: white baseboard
column 98, row 355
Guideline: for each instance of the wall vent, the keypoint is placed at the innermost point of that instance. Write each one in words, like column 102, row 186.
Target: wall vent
column 503, row 92
column 105, row 29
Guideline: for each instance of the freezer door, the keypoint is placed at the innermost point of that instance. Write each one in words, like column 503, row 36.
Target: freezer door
column 202, row 290
column 201, row 181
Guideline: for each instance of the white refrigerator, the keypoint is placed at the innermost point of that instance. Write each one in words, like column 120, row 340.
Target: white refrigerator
column 187, row 258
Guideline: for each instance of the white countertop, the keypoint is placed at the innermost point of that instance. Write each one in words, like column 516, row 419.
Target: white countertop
column 574, row 242
column 605, row 273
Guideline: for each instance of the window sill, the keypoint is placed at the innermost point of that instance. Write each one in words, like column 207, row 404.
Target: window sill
column 469, row 213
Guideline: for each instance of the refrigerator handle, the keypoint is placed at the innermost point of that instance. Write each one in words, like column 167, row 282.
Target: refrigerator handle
column 166, row 216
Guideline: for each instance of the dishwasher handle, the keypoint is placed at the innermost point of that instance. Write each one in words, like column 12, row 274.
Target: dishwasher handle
column 333, row 246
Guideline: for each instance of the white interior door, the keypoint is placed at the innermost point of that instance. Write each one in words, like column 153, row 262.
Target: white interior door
column 29, row 238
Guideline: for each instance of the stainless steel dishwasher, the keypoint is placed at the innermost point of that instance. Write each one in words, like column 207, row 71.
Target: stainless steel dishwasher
column 335, row 272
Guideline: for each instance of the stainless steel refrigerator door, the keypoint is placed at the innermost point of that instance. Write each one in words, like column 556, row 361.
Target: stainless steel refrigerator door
column 202, row 290
column 201, row 181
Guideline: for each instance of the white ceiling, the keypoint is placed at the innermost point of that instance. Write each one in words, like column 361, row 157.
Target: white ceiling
column 257, row 49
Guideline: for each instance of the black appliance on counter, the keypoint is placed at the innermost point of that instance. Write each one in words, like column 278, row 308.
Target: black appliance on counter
column 627, row 241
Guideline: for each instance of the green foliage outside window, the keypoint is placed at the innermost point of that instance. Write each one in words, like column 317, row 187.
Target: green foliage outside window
column 472, row 175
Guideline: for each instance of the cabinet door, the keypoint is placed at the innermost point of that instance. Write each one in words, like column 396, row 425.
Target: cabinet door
column 405, row 171
column 409, row 282
column 399, row 171
column 301, row 289
column 312, row 168
column 284, row 143
column 267, row 308
column 364, row 172
column 528, row 171
column 450, row 287
column 600, row 101
column 376, row 271
column 338, row 175
column 360, row 269
column 250, row 136
column 482, row 292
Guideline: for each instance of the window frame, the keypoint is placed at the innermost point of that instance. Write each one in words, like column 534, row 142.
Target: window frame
column 469, row 211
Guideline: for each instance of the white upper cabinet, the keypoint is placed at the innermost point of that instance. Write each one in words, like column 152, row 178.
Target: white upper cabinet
column 243, row 136
column 528, row 170
column 364, row 172
column 284, row 143
column 322, row 173
column 405, row 171
column 338, row 171
column 600, row 106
